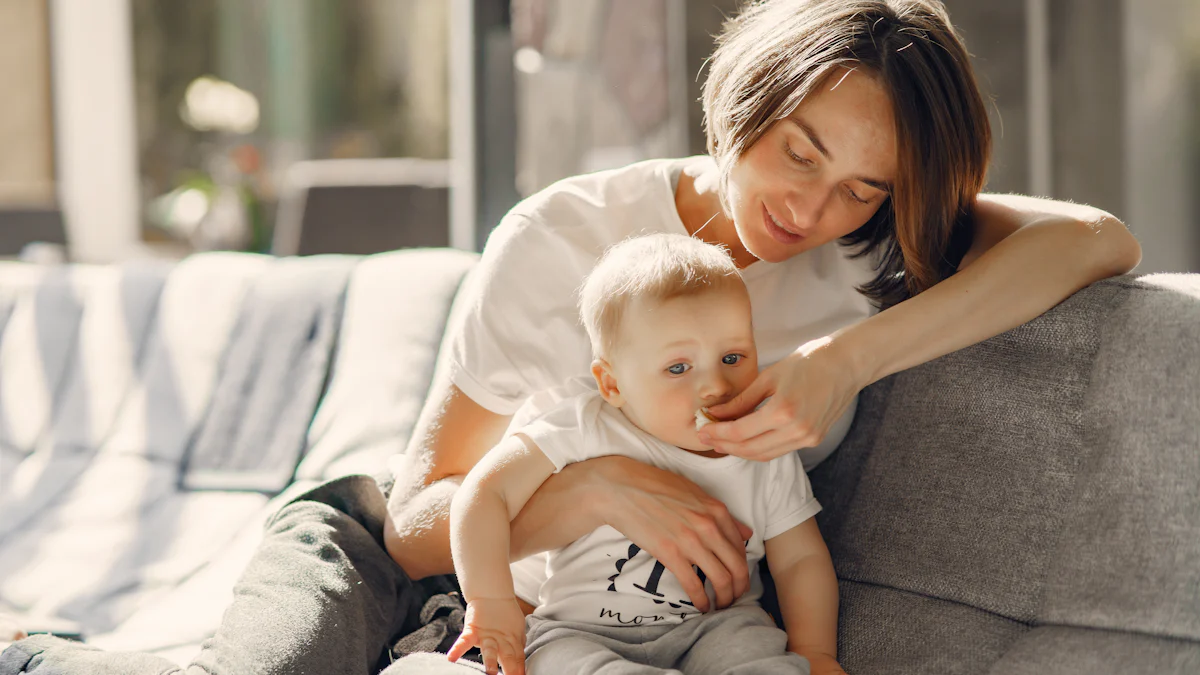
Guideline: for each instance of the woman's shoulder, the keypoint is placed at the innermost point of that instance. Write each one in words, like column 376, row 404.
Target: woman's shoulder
column 608, row 205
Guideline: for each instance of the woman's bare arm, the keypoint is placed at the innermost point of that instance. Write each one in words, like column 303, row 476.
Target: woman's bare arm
column 1027, row 256
column 452, row 434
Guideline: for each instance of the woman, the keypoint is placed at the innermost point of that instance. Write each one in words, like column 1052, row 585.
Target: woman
column 848, row 146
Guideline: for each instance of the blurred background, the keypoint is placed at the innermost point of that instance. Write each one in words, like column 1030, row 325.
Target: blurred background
column 135, row 128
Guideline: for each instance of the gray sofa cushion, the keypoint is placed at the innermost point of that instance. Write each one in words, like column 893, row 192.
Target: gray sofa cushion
column 884, row 630
column 1041, row 477
column 1128, row 556
column 1062, row 649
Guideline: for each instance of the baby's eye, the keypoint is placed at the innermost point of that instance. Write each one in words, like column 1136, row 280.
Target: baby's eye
column 678, row 368
column 731, row 359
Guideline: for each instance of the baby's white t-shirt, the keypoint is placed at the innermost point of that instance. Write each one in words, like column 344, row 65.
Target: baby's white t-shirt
column 603, row 578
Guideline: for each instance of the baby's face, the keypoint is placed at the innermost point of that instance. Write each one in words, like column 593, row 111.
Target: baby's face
column 674, row 356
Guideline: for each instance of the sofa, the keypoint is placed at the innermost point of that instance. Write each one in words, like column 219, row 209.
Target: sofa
column 1026, row 505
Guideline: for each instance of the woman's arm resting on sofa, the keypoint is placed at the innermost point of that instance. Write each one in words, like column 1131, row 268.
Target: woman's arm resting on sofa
column 1028, row 255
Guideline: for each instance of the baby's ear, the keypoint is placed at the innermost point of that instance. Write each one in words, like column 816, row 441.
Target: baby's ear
column 606, row 380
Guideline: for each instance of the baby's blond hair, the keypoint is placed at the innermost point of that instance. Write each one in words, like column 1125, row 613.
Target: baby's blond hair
column 654, row 267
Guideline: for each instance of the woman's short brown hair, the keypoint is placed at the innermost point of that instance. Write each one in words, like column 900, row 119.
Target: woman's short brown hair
column 775, row 52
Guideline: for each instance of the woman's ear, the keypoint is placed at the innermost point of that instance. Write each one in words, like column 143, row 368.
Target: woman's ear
column 606, row 380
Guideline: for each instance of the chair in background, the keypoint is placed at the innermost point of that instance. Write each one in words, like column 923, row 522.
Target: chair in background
column 363, row 206
column 24, row 226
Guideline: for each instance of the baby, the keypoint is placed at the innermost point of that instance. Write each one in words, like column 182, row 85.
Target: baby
column 670, row 325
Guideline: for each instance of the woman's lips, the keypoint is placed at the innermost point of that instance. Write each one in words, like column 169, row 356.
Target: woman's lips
column 778, row 233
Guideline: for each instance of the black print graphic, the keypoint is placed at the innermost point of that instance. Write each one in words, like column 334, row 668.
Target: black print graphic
column 650, row 586
column 635, row 621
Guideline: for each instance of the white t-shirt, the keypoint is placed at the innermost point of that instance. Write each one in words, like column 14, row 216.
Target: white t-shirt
column 517, row 330
column 603, row 578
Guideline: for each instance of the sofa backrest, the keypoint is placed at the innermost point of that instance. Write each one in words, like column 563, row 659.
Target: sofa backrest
column 1046, row 477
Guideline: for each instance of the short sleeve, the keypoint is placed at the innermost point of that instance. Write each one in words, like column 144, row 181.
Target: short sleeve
column 790, row 499
column 519, row 330
column 570, row 432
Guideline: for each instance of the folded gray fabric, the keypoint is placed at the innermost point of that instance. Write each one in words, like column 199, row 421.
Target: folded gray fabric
column 49, row 655
column 441, row 623
column 272, row 378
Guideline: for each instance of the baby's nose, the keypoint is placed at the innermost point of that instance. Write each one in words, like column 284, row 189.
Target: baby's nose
column 715, row 390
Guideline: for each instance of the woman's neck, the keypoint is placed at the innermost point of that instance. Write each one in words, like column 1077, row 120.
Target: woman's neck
column 699, row 205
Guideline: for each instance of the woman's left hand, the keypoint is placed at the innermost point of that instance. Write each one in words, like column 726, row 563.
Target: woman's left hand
column 809, row 391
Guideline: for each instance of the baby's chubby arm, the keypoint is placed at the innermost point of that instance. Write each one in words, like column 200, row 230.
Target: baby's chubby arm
column 808, row 594
column 492, row 494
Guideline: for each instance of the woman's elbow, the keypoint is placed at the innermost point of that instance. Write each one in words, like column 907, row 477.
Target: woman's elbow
column 1102, row 243
column 1118, row 250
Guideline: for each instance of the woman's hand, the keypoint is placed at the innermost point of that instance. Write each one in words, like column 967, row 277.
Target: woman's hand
column 809, row 391
column 672, row 519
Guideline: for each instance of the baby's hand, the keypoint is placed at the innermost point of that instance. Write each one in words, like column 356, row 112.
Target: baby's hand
column 497, row 627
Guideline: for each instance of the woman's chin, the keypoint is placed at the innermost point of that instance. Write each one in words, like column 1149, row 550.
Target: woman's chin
column 769, row 252
column 760, row 245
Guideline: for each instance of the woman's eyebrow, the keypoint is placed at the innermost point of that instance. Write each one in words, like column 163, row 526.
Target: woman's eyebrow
column 881, row 185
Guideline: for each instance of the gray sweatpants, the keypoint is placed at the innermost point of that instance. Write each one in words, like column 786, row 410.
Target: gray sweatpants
column 734, row 641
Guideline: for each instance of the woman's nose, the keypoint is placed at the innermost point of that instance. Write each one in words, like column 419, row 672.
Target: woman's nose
column 806, row 206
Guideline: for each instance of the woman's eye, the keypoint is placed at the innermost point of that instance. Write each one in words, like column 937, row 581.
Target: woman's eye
column 731, row 359
column 678, row 369
column 796, row 158
column 855, row 197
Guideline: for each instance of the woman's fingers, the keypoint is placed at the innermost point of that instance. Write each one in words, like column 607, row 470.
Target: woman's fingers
column 746, row 401
column 722, row 561
column 732, row 530
column 745, row 531
column 680, row 566
column 718, row 575
column 718, row 434
column 762, row 448
column 720, row 534
column 677, row 523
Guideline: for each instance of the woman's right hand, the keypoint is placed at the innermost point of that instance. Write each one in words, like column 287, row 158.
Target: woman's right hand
column 672, row 519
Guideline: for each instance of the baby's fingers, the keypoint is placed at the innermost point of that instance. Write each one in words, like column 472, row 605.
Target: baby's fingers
column 490, row 651
column 463, row 644
column 512, row 659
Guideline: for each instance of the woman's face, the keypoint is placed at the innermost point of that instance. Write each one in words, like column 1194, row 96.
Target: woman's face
column 818, row 174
